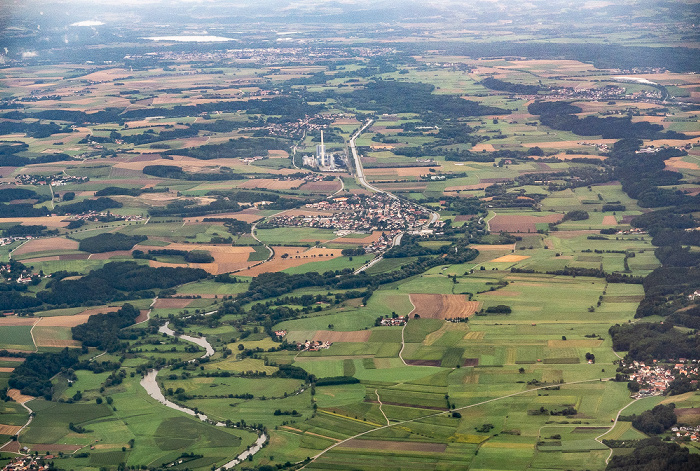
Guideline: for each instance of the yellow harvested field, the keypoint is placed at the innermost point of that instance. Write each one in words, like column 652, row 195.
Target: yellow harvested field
column 18, row 397
column 48, row 221
column 278, row 154
column 677, row 163
column 493, row 247
column 226, row 258
column 650, row 119
column 75, row 319
column 481, row 146
column 333, row 336
column 270, row 184
column 672, row 142
column 107, row 75
column 9, row 429
column 443, row 306
column 296, row 256
column 510, row 259
column 6, row 369
column 475, row 335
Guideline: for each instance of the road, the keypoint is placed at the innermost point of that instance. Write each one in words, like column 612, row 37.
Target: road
column 360, row 175
column 598, row 438
column 359, row 171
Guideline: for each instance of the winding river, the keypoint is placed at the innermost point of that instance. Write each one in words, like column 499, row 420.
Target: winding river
column 150, row 384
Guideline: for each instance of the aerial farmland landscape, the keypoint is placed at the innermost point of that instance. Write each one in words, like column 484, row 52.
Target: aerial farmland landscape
column 355, row 235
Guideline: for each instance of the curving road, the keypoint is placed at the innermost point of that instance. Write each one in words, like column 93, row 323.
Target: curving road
column 360, row 175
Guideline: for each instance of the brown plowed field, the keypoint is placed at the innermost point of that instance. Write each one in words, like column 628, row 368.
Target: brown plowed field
column 16, row 320
column 357, row 241
column 443, row 306
column 333, row 336
column 6, row 171
column 6, row 369
column 171, row 303
column 609, row 220
column 520, row 223
column 11, row 447
column 43, row 245
column 143, row 316
column 689, row 416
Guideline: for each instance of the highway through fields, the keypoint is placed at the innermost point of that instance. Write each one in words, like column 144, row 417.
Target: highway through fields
column 360, row 175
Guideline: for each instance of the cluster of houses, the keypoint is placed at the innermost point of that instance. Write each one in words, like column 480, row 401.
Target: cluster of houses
column 54, row 180
column 96, row 216
column 401, row 320
column 27, row 462
column 694, row 295
column 655, row 378
column 280, row 334
column 313, row 345
column 23, row 277
column 687, row 433
column 608, row 92
column 377, row 212
column 9, row 240
column 600, row 147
